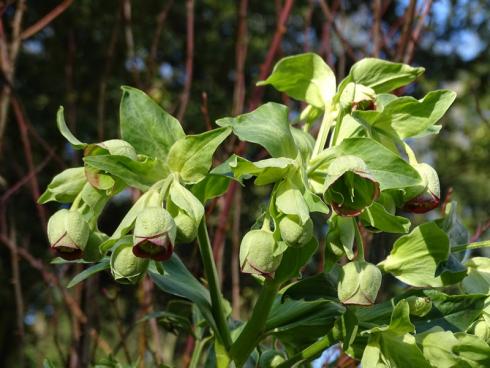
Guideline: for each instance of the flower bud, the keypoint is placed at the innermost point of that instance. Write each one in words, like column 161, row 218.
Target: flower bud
column 257, row 253
column 92, row 253
column 430, row 197
column 154, row 234
column 419, row 306
column 68, row 233
column 270, row 359
column 359, row 283
column 482, row 329
column 126, row 268
column 293, row 233
column 186, row 228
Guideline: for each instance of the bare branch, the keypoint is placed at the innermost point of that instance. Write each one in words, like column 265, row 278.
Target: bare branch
column 44, row 21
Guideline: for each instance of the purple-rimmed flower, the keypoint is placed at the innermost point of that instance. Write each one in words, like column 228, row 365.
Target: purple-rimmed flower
column 430, row 197
column 68, row 233
column 154, row 234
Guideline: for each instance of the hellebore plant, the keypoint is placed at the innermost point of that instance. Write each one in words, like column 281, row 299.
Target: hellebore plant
column 358, row 174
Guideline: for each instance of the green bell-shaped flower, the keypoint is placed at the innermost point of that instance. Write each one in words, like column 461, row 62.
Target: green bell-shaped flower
column 430, row 197
column 359, row 283
column 419, row 305
column 126, row 268
column 154, row 234
column 186, row 227
column 68, row 233
column 293, row 233
column 258, row 253
column 349, row 187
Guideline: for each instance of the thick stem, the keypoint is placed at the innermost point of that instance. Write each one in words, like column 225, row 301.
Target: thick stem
column 477, row 245
column 213, row 283
column 359, row 241
column 251, row 334
column 310, row 353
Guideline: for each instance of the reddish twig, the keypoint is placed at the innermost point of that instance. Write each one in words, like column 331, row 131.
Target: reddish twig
column 235, row 255
column 265, row 68
column 376, row 29
column 407, row 30
column 189, row 60
column 480, row 230
column 205, row 111
column 240, row 57
column 417, row 32
column 26, row 143
column 44, row 21
column 161, row 18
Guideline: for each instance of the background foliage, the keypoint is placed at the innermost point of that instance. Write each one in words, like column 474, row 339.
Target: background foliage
column 80, row 59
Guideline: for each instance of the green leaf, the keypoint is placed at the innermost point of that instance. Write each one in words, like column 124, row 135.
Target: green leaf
column 458, row 234
column 266, row 171
column 304, row 141
column 393, row 345
column 379, row 219
column 146, row 126
column 267, row 126
column 406, row 117
column 191, row 156
column 387, row 168
column 65, row 132
column 210, row 187
column 300, row 322
column 305, row 77
column 88, row 272
column 415, row 257
column 65, row 186
column 178, row 281
column 381, row 75
column 140, row 174
column 446, row 350
column 478, row 279
column 48, row 363
column 321, row 286
column 293, row 260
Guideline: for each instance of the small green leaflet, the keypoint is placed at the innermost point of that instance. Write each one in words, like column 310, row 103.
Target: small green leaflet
column 65, row 186
column 146, row 126
column 191, row 156
column 267, row 126
column 305, row 77
column 65, row 132
column 88, row 272
column 381, row 75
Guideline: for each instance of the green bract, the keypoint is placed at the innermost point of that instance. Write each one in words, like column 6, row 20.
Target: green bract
column 258, row 253
column 154, row 234
column 126, row 268
column 68, row 233
column 419, row 306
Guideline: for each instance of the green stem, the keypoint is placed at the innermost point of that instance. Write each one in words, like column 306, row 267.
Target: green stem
column 213, row 284
column 323, row 133
column 253, row 330
column 196, row 354
column 359, row 242
column 477, row 245
column 310, row 353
